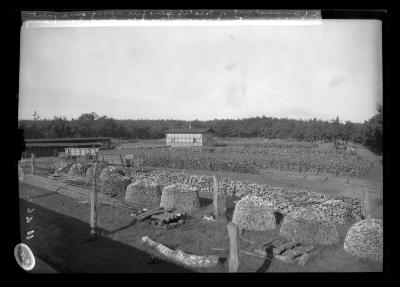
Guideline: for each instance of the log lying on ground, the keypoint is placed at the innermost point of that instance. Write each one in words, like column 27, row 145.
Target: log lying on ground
column 182, row 257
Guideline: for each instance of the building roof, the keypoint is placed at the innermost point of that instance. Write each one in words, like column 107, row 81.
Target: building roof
column 65, row 140
column 189, row 131
column 91, row 144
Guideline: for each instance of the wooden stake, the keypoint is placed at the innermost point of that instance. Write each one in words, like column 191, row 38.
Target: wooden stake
column 33, row 163
column 93, row 203
column 215, row 201
column 234, row 247
column 122, row 160
column 366, row 211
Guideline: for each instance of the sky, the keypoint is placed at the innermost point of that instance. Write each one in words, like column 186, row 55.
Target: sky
column 203, row 72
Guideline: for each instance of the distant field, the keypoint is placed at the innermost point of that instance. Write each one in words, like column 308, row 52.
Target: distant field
column 250, row 156
column 138, row 143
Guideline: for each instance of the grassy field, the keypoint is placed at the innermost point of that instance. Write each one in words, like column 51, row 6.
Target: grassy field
column 62, row 223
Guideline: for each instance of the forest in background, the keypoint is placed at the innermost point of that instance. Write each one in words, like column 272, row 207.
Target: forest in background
column 369, row 133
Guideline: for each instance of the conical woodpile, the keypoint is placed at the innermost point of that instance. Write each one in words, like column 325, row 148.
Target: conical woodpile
column 254, row 213
column 364, row 239
column 90, row 171
column 309, row 226
column 112, row 183
column 144, row 194
column 181, row 197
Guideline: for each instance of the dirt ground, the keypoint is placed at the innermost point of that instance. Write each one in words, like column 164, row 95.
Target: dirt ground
column 61, row 239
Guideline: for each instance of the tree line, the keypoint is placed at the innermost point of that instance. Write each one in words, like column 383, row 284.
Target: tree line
column 369, row 133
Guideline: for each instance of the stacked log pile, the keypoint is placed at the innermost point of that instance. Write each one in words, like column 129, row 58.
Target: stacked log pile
column 309, row 226
column 61, row 166
column 183, row 198
column 112, row 183
column 254, row 213
column 79, row 169
column 339, row 209
column 90, row 171
column 144, row 194
column 364, row 239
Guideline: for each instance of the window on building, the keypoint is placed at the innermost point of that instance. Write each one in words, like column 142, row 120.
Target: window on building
column 194, row 140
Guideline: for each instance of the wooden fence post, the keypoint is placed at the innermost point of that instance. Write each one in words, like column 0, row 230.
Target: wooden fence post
column 93, row 205
column 366, row 210
column 233, row 247
column 33, row 163
column 122, row 160
column 215, row 201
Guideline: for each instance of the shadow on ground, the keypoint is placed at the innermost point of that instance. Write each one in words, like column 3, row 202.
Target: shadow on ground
column 278, row 217
column 205, row 201
column 267, row 262
column 64, row 243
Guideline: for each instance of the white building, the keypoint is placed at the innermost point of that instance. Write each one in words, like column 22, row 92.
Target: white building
column 189, row 137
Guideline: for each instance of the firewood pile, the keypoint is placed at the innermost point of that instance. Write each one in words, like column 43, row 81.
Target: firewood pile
column 254, row 213
column 364, row 239
column 61, row 166
column 144, row 194
column 112, row 183
column 78, row 169
column 291, row 252
column 90, row 171
column 182, row 197
column 339, row 209
column 309, row 226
